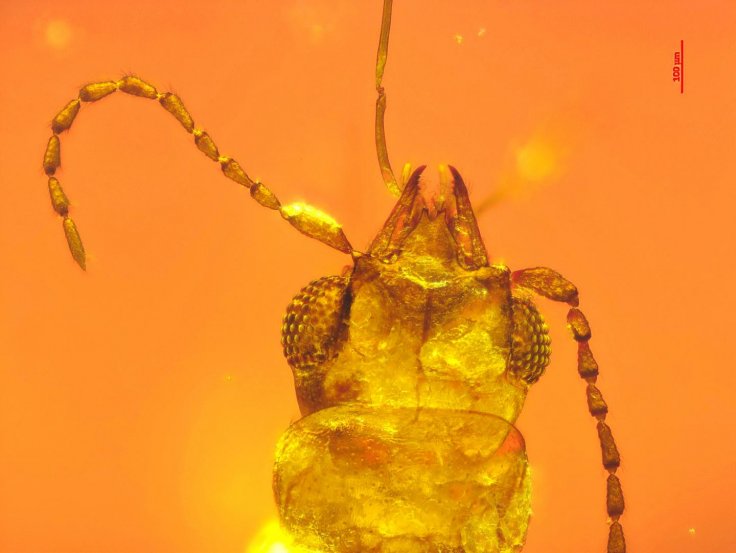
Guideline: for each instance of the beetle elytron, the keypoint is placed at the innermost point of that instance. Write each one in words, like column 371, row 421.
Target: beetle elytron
column 410, row 368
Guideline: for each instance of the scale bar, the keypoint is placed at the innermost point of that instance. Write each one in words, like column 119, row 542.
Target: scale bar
column 682, row 66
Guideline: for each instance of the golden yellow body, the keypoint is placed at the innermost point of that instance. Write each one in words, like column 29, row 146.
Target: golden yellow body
column 403, row 373
column 352, row 478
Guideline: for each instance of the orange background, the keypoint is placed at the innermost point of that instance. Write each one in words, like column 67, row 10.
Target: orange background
column 140, row 402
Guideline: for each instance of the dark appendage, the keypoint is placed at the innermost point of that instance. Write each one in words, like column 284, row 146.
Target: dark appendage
column 402, row 220
column 304, row 218
column 547, row 283
column 551, row 284
column 381, row 57
column 463, row 226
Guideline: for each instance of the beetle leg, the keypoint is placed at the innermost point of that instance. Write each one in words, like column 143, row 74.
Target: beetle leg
column 303, row 217
column 552, row 285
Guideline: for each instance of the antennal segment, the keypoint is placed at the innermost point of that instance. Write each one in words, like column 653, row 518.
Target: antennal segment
column 306, row 219
column 552, row 285
column 381, row 58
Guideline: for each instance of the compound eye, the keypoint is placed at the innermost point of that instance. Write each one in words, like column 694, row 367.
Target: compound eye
column 313, row 327
column 529, row 342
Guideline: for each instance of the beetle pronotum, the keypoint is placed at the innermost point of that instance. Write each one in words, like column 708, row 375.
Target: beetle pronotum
column 410, row 367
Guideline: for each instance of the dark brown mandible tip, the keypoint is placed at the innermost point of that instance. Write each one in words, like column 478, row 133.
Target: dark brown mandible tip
column 463, row 226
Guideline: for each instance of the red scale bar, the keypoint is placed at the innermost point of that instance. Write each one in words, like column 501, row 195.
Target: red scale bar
column 682, row 66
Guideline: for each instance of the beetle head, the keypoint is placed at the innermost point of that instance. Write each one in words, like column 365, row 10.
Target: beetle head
column 422, row 319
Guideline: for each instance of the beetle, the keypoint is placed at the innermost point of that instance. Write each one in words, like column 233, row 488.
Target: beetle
column 410, row 368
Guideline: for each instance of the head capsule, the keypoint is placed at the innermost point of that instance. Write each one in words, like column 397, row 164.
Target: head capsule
column 421, row 320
